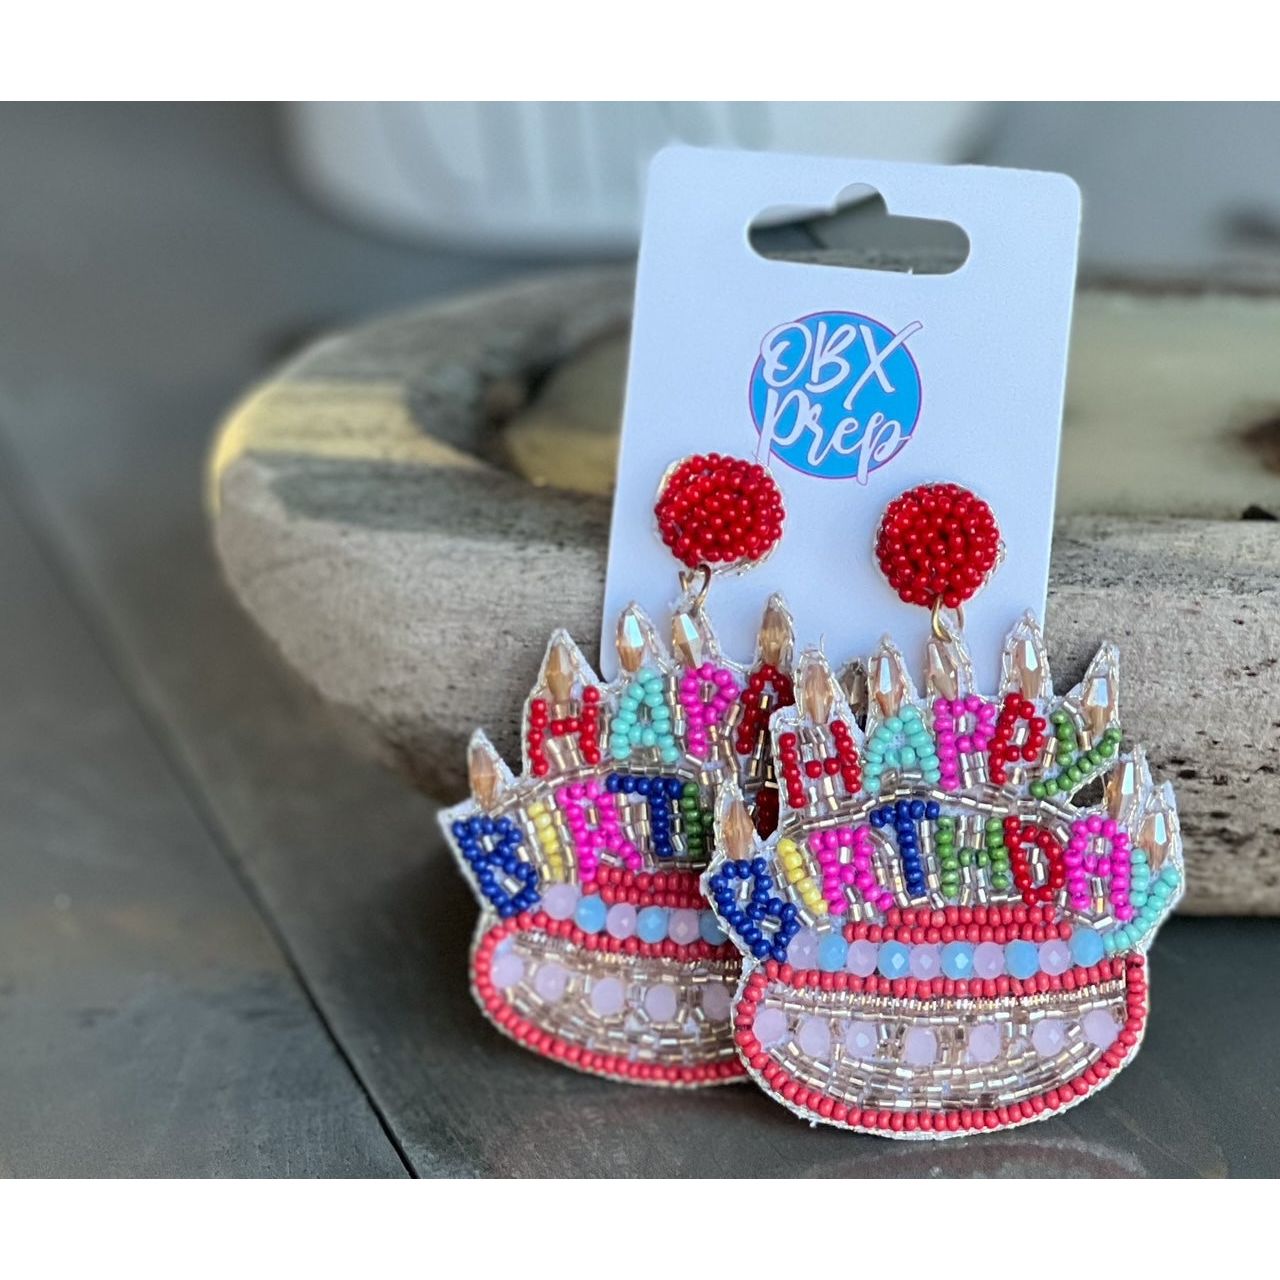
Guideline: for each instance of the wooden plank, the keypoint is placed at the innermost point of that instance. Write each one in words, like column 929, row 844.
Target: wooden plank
column 150, row 1023
column 347, row 859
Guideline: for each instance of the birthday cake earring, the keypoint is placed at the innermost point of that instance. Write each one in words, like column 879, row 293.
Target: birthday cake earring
column 944, row 935
column 595, row 946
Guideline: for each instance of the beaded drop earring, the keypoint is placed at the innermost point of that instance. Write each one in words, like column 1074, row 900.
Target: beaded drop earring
column 595, row 946
column 959, row 942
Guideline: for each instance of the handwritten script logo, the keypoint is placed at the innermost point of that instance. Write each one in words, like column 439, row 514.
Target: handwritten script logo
column 836, row 394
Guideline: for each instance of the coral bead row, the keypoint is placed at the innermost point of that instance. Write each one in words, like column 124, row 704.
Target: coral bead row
column 779, row 1081
column 662, row 888
column 585, row 726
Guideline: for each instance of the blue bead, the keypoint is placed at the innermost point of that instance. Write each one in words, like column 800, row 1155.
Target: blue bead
column 675, row 788
column 894, row 959
column 902, row 809
column 1086, row 946
column 1022, row 959
column 832, row 951
column 917, row 809
column 760, row 867
column 613, row 782
column 590, row 912
column 709, row 928
column 933, row 810
column 957, row 960
column 651, row 924
column 877, row 817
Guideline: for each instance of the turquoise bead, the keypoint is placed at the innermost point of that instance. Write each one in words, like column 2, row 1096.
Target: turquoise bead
column 651, row 924
column 590, row 912
column 710, row 929
column 957, row 960
column 832, row 951
column 670, row 754
column 1022, row 959
column 894, row 959
column 1087, row 946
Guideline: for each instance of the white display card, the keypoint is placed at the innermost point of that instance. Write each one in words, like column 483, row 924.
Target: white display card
column 852, row 384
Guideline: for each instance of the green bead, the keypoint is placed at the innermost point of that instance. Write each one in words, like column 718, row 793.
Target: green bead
column 1037, row 790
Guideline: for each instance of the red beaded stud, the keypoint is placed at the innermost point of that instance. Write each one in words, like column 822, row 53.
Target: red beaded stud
column 719, row 511
column 937, row 543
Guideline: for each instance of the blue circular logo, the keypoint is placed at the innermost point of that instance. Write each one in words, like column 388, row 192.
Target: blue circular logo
column 835, row 394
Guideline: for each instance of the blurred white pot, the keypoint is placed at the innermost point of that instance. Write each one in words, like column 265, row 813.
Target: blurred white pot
column 566, row 177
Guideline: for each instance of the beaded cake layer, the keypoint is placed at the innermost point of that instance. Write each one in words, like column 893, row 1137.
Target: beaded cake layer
column 952, row 941
column 596, row 946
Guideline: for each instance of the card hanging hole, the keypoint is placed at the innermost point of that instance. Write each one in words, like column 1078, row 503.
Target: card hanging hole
column 857, row 230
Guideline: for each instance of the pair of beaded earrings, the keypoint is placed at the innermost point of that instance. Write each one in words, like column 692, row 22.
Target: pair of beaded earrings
column 896, row 912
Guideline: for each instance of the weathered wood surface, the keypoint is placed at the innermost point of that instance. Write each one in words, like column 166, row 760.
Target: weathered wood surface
column 367, row 518
column 149, row 1023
